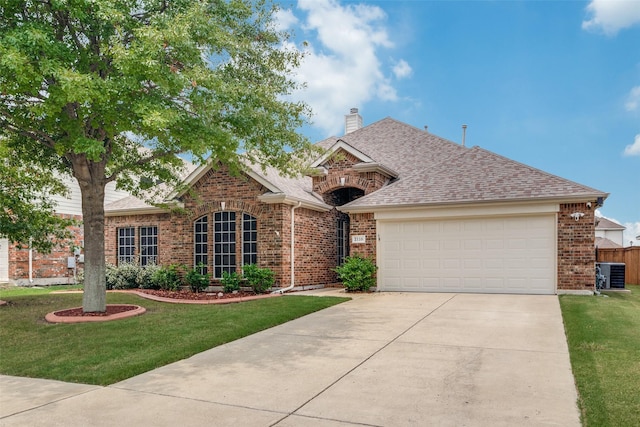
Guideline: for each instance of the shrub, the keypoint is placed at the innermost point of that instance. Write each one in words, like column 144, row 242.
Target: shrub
column 122, row 276
column 260, row 279
column 356, row 273
column 145, row 277
column 230, row 282
column 196, row 279
column 167, row 278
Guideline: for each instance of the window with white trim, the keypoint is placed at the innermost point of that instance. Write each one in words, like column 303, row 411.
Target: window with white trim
column 148, row 245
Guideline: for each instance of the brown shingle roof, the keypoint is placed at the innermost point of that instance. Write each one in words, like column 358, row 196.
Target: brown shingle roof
column 399, row 146
column 604, row 243
column 475, row 175
column 606, row 224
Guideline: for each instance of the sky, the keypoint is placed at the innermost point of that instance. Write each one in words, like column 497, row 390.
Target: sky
column 552, row 84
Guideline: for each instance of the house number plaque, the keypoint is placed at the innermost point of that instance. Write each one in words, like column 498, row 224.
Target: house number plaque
column 358, row 239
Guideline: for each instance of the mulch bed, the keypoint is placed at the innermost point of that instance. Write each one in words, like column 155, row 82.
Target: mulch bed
column 111, row 310
column 188, row 295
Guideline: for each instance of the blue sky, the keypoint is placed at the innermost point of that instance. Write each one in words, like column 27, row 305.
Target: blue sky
column 553, row 84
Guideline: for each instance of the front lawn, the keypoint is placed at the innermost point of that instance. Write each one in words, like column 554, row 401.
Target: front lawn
column 107, row 352
column 604, row 344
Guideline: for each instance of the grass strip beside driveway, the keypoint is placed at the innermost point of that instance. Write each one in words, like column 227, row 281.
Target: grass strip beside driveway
column 107, row 352
column 603, row 334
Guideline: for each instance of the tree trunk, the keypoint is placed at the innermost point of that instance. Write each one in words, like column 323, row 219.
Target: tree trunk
column 95, row 291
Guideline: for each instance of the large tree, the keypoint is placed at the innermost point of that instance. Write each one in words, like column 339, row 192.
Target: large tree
column 115, row 90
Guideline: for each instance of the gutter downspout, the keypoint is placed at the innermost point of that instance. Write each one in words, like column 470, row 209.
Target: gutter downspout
column 293, row 239
column 30, row 261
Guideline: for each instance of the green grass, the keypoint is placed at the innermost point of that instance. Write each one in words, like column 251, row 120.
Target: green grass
column 13, row 291
column 107, row 352
column 604, row 344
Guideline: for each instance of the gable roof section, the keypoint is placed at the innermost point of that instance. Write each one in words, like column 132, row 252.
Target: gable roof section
column 606, row 224
column 400, row 147
column 476, row 175
column 341, row 145
column 281, row 189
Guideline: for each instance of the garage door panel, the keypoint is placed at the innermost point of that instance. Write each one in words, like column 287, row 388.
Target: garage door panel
column 506, row 255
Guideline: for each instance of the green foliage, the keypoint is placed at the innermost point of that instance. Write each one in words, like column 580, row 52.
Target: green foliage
column 230, row 282
column 357, row 273
column 122, row 276
column 196, row 279
column 167, row 278
column 26, row 207
column 144, row 279
column 260, row 279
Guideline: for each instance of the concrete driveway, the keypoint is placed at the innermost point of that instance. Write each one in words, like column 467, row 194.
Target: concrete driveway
column 384, row 359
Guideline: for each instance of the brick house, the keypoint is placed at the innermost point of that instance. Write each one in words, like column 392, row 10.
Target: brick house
column 434, row 215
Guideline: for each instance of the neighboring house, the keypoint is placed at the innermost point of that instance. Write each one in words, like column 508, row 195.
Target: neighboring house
column 434, row 215
column 30, row 267
column 609, row 234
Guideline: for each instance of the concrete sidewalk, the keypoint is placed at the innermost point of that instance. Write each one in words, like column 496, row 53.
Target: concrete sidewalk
column 383, row 359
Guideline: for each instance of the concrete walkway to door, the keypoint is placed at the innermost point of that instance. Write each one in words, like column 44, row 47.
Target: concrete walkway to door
column 383, row 359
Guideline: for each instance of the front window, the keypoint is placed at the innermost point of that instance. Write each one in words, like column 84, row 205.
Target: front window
column 148, row 245
column 342, row 239
column 249, row 240
column 201, row 239
column 126, row 244
column 224, row 243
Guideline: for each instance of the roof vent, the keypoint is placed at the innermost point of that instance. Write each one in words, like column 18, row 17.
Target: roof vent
column 352, row 121
column 464, row 134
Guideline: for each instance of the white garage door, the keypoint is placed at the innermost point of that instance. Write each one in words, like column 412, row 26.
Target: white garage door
column 487, row 255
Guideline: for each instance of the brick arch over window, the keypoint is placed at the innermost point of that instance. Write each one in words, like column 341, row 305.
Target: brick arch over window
column 230, row 205
column 333, row 183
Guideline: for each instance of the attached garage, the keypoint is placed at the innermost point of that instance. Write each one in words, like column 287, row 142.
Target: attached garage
column 498, row 254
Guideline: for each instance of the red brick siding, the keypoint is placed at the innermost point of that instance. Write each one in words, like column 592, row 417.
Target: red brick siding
column 576, row 248
column 316, row 247
column 363, row 224
column 51, row 265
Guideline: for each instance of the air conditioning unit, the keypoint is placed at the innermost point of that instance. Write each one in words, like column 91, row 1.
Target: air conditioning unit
column 613, row 273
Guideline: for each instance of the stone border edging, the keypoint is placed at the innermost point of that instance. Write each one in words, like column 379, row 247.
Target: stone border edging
column 53, row 318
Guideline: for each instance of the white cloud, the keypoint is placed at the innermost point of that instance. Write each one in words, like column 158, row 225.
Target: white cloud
column 342, row 68
column 284, row 19
column 633, row 100
column 629, row 235
column 611, row 16
column 633, row 149
column 402, row 69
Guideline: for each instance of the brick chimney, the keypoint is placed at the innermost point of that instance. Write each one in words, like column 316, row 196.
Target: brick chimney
column 352, row 121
